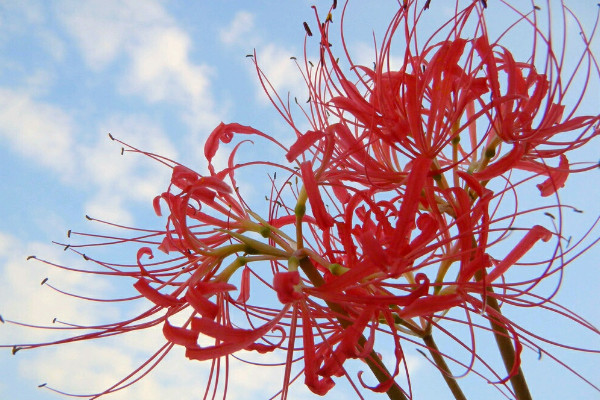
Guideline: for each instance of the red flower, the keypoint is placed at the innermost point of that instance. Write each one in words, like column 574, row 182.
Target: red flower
column 413, row 178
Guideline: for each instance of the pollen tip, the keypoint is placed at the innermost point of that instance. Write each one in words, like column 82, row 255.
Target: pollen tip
column 578, row 210
column 15, row 349
column 66, row 247
column 54, row 320
column 86, row 258
column 69, row 233
column 30, row 257
column 122, row 150
column 110, row 136
column 249, row 55
column 88, row 217
column 42, row 385
column 307, row 29
column 1, row 319
column 44, row 281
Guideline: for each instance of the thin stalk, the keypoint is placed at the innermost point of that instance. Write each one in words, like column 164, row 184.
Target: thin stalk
column 439, row 361
column 373, row 361
column 507, row 351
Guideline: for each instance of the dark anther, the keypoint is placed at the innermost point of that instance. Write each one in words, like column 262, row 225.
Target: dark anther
column 30, row 257
column 42, row 385
column 484, row 2
column 69, row 233
column 293, row 58
column 86, row 258
column 110, row 136
column 334, row 4
column 275, row 175
column 549, row 215
column 250, row 55
column 44, row 281
column 15, row 349
column 426, row 6
column 1, row 319
column 537, row 8
column 88, row 217
column 329, row 18
column 307, row 29
column 578, row 210
column 122, row 151
column 54, row 320
column 67, row 247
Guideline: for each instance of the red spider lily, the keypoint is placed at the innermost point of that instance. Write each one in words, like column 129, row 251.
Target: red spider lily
column 400, row 210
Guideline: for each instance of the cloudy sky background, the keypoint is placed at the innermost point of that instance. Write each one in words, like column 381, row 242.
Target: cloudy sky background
column 160, row 76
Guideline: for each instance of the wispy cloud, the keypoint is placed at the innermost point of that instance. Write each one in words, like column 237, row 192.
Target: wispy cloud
column 39, row 131
column 240, row 30
column 273, row 58
column 154, row 49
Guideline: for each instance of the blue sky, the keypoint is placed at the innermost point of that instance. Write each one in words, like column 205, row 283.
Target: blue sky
column 160, row 76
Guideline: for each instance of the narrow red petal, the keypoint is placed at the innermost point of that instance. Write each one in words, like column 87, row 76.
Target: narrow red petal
column 534, row 235
column 158, row 298
column 324, row 220
column 181, row 336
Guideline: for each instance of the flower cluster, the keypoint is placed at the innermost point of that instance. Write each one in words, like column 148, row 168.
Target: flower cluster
column 397, row 216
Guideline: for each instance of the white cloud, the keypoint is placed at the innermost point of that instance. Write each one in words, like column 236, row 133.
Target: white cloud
column 45, row 134
column 155, row 50
column 280, row 70
column 272, row 58
column 90, row 366
column 161, row 70
column 364, row 54
column 120, row 179
column 39, row 131
column 240, row 30
column 24, row 299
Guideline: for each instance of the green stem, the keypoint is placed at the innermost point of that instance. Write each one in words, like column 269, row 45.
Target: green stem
column 441, row 364
column 507, row 350
column 373, row 361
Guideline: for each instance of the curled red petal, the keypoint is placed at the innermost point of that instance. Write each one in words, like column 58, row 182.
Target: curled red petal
column 557, row 178
column 158, row 298
column 224, row 133
column 502, row 165
column 201, row 304
column 156, row 206
column 181, row 336
column 311, row 379
column 406, row 216
column 232, row 339
column 426, row 306
column 534, row 235
column 244, row 286
column 324, row 220
column 284, row 284
column 302, row 144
